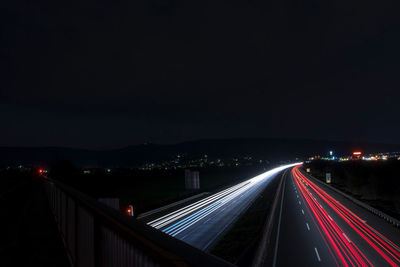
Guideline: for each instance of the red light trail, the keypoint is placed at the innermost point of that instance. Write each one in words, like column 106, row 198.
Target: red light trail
column 345, row 252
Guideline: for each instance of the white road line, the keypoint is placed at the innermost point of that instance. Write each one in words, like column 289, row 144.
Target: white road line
column 316, row 252
column 346, row 237
column 299, row 202
column 308, row 227
column 302, row 211
column 297, row 196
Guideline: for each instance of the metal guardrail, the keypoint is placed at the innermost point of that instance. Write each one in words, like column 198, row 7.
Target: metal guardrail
column 377, row 212
column 97, row 235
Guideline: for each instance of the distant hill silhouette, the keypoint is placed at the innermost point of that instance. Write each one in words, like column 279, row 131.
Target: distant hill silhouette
column 272, row 149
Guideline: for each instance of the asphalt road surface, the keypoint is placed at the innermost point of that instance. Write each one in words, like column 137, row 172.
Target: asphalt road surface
column 319, row 227
column 201, row 223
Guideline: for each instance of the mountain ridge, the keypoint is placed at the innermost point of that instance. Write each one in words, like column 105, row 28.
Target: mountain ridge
column 135, row 155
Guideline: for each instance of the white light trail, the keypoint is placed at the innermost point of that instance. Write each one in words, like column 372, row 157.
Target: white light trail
column 185, row 217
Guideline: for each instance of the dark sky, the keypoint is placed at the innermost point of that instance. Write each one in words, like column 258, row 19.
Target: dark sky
column 128, row 72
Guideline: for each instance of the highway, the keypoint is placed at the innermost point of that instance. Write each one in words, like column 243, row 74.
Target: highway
column 200, row 224
column 319, row 227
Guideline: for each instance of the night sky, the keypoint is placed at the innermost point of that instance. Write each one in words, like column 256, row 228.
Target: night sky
column 166, row 71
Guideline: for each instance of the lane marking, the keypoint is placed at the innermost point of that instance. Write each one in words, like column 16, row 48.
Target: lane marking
column 308, row 227
column 299, row 202
column 346, row 237
column 302, row 211
column 316, row 252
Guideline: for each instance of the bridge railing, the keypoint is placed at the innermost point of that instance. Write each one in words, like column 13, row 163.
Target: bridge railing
column 97, row 235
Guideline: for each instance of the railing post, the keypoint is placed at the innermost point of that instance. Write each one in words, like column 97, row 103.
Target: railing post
column 97, row 239
column 76, row 235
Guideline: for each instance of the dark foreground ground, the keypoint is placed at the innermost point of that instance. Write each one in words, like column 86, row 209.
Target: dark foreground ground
column 29, row 236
